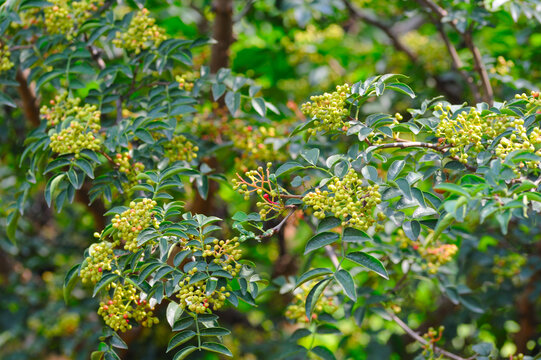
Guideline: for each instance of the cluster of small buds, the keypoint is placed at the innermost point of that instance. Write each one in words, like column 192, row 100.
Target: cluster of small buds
column 432, row 336
column 5, row 62
column 508, row 267
column 436, row 256
column 502, row 66
column 520, row 140
column 63, row 17
column 186, row 81
column 301, row 47
column 123, row 161
column 533, row 101
column 60, row 109
column 180, row 149
column 195, row 297
column 99, row 260
column 65, row 325
column 297, row 310
column 253, row 144
column 470, row 130
column 132, row 221
column 28, row 18
column 225, row 253
column 268, row 191
column 142, row 33
column 126, row 304
column 397, row 118
column 82, row 131
column 348, row 200
column 328, row 110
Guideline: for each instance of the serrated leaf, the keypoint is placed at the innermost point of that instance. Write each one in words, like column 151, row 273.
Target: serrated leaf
column 345, row 280
column 69, row 281
column 184, row 352
column 355, row 235
column 180, row 338
column 259, row 105
column 402, row 88
column 314, row 295
column 182, row 324
column 103, row 282
column 369, row 262
column 217, row 348
column 320, row 240
column 312, row 274
column 173, row 312
column 395, row 169
column 288, row 167
column 328, row 223
column 84, row 165
column 214, row 331
column 323, row 353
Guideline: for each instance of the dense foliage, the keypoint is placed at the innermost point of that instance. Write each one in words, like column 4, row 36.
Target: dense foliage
column 233, row 180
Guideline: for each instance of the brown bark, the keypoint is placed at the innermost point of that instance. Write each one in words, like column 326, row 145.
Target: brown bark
column 222, row 32
column 30, row 103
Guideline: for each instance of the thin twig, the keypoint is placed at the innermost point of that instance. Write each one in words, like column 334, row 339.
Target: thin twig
column 457, row 62
column 244, row 11
column 422, row 340
column 272, row 231
column 332, row 255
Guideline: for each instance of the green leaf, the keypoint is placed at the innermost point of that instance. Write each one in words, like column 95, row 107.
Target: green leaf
column 320, row 240
column 57, row 163
column 312, row 274
column 84, row 165
column 328, row 223
column 323, row 353
column 369, row 262
column 184, row 352
column 232, row 101
column 311, row 155
column 104, row 281
column 97, row 355
column 144, row 135
column 69, row 281
column 217, row 91
column 215, row 331
column 370, row 173
column 345, row 280
column 6, row 100
column 395, row 169
column 173, row 313
column 183, row 323
column 259, row 106
column 288, row 167
column 453, row 189
column 314, row 295
column 50, row 187
column 217, row 348
column 180, row 338
column 48, row 77
column 401, row 88
column 116, row 341
column 355, row 235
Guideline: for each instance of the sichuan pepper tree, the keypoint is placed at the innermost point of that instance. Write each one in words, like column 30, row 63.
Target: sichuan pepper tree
column 129, row 122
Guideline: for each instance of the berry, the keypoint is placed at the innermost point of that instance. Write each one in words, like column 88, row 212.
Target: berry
column 142, row 33
column 5, row 62
column 180, row 149
column 131, row 222
column 329, row 110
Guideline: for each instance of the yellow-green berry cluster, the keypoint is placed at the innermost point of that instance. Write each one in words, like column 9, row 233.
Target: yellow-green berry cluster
column 180, row 149
column 533, row 101
column 63, row 17
column 132, row 221
column 194, row 296
column 126, row 304
column 436, row 256
column 123, row 161
column 347, row 199
column 328, row 110
column 142, row 33
column 268, row 191
column 5, row 62
column 473, row 131
column 99, row 260
column 297, row 310
column 61, row 107
column 253, row 145
column 186, row 81
column 507, row 267
column 502, row 66
column 80, row 134
column 225, row 253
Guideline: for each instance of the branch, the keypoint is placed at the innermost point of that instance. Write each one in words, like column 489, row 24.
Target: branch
column 244, row 11
column 457, row 62
column 466, row 35
column 397, row 43
column 421, row 340
column 332, row 255
column 272, row 231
